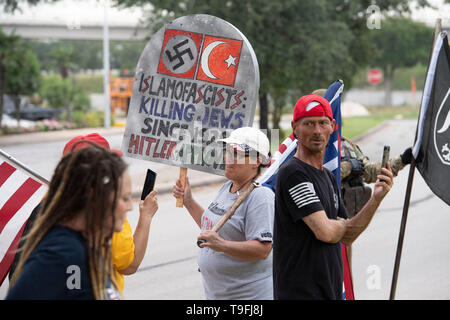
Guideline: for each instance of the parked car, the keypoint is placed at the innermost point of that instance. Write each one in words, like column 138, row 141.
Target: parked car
column 28, row 111
column 32, row 112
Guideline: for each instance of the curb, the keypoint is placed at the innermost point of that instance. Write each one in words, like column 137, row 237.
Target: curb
column 371, row 131
column 54, row 136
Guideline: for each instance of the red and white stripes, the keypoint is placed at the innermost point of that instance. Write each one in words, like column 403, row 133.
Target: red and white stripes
column 19, row 195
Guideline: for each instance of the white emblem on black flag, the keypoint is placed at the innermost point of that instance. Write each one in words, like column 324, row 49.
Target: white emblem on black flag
column 441, row 136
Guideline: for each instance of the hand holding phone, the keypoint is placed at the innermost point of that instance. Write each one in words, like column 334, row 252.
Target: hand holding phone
column 385, row 158
column 386, row 180
column 149, row 183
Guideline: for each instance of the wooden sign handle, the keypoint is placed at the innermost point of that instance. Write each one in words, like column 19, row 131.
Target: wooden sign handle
column 183, row 173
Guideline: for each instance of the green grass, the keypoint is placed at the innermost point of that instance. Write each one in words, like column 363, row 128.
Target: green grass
column 89, row 83
column 404, row 112
column 355, row 126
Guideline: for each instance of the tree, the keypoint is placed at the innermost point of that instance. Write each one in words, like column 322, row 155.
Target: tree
column 125, row 54
column 19, row 71
column 401, row 42
column 23, row 77
column 300, row 45
column 56, row 90
column 7, row 50
column 60, row 93
column 13, row 5
column 63, row 55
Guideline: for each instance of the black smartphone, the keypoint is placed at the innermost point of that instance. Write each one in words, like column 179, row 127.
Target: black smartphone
column 148, row 184
column 385, row 158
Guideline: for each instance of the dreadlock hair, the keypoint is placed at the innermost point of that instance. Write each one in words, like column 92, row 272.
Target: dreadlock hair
column 86, row 182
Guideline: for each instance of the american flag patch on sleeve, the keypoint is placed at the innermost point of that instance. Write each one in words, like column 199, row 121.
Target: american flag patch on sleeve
column 303, row 194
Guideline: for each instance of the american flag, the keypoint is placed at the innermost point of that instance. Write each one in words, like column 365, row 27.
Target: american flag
column 20, row 192
column 331, row 161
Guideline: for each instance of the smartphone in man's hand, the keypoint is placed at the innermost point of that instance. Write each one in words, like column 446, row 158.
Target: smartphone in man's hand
column 385, row 158
column 148, row 184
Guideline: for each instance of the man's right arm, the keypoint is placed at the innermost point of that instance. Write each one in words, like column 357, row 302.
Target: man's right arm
column 303, row 203
column 325, row 229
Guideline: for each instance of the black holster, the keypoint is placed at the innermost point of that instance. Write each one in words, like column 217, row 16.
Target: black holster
column 355, row 198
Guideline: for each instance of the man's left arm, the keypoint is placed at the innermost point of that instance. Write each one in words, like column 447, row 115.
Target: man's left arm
column 357, row 224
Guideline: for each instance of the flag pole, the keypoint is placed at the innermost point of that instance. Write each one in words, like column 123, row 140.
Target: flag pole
column 24, row 167
column 106, row 67
column 402, row 228
column 412, row 168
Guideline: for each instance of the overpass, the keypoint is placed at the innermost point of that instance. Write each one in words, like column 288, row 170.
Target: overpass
column 74, row 30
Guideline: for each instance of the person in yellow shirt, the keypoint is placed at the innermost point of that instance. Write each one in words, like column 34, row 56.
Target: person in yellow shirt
column 128, row 250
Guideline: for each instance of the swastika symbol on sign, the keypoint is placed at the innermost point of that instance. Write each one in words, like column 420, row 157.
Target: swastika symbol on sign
column 179, row 54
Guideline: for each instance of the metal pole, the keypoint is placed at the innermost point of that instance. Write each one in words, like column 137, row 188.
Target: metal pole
column 107, row 116
column 24, row 167
column 402, row 229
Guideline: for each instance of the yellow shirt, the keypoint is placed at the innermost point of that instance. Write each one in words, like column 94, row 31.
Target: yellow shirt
column 122, row 247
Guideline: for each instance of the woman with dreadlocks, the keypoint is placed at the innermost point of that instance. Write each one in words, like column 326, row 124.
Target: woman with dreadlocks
column 67, row 254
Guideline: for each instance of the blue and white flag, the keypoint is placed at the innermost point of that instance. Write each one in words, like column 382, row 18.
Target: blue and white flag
column 332, row 159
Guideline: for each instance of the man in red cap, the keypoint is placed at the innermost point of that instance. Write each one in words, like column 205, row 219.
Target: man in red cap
column 310, row 217
column 91, row 137
column 128, row 250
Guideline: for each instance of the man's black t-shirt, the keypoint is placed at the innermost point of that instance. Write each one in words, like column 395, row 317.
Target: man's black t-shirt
column 303, row 266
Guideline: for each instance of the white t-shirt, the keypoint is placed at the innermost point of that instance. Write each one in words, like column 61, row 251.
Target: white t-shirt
column 225, row 277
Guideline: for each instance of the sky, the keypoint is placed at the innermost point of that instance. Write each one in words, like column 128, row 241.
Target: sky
column 429, row 15
column 92, row 12
column 86, row 11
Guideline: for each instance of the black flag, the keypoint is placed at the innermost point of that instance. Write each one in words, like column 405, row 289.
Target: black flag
column 432, row 147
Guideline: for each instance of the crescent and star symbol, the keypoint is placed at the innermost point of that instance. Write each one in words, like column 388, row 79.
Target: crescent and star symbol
column 205, row 58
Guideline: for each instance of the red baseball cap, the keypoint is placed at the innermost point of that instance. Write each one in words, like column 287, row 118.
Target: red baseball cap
column 120, row 153
column 92, row 137
column 312, row 105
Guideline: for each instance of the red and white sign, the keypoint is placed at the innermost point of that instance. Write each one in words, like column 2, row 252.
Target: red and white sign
column 217, row 60
column 179, row 53
column 20, row 193
column 374, row 76
column 196, row 80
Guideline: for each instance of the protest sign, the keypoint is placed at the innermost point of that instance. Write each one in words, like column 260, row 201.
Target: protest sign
column 196, row 81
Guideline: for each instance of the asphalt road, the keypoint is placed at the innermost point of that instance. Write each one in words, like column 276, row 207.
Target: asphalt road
column 169, row 269
column 425, row 262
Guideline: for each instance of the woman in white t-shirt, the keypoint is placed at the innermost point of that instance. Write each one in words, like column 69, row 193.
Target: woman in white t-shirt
column 236, row 261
